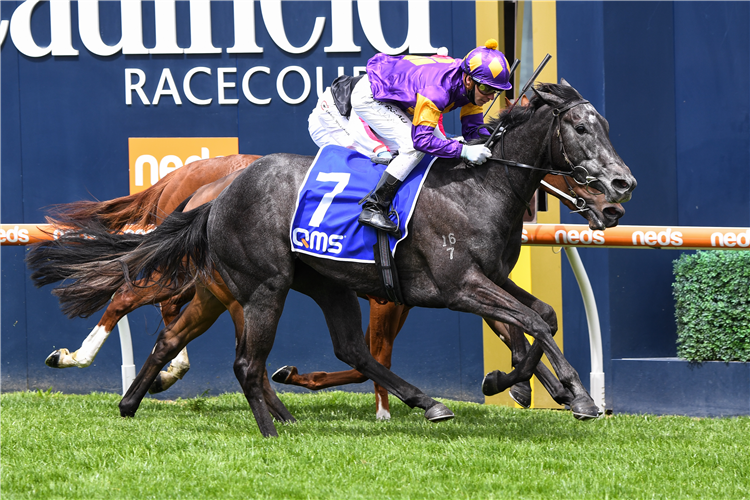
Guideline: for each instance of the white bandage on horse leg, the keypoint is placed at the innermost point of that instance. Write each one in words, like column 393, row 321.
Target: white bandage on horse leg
column 85, row 354
column 180, row 364
column 177, row 369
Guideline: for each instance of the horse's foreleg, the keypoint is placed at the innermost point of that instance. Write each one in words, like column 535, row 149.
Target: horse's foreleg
column 582, row 405
column 197, row 317
column 559, row 392
column 316, row 381
column 520, row 392
column 125, row 301
column 481, row 296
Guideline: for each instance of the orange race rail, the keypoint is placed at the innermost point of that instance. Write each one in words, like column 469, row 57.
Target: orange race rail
column 567, row 235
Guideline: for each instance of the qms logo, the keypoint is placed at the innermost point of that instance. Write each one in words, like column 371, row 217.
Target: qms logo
column 317, row 241
column 152, row 158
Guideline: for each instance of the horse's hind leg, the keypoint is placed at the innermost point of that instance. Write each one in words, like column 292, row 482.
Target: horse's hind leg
column 197, row 317
column 344, row 320
column 275, row 407
column 124, row 301
column 261, row 316
column 386, row 320
column 180, row 365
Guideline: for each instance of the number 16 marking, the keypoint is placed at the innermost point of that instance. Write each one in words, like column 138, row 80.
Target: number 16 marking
column 341, row 179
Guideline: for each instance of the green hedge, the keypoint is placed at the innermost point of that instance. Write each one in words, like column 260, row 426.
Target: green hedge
column 712, row 294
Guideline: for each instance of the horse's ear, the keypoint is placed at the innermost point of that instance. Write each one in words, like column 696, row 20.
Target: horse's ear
column 564, row 82
column 549, row 98
column 524, row 101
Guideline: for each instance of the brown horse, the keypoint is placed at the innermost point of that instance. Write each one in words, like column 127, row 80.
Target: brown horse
column 147, row 208
column 386, row 318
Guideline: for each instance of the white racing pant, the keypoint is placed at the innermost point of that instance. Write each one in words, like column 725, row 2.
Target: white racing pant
column 391, row 124
column 327, row 126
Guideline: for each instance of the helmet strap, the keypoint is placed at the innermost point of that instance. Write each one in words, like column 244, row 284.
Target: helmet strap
column 471, row 94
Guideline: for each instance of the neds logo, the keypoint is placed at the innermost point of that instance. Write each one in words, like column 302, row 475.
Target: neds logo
column 14, row 235
column 152, row 158
column 585, row 237
column 730, row 239
column 664, row 238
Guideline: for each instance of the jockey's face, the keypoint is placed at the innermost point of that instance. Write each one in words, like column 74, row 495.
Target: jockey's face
column 480, row 99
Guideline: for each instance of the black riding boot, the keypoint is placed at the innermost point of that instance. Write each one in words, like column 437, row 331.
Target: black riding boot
column 378, row 203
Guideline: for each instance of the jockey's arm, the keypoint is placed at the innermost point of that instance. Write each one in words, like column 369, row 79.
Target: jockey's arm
column 472, row 118
column 426, row 117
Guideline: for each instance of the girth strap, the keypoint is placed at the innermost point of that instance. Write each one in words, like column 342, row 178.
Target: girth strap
column 387, row 266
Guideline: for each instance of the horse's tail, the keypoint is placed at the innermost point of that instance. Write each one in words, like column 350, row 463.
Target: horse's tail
column 94, row 263
column 138, row 209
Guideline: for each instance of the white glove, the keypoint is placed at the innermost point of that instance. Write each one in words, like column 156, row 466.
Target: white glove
column 477, row 153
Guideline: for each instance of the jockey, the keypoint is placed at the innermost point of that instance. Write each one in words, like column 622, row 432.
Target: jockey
column 329, row 123
column 401, row 100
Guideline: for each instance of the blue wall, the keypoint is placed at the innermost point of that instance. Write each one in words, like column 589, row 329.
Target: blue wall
column 65, row 130
column 672, row 79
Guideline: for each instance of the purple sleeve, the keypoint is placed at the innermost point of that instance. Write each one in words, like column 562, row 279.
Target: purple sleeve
column 425, row 141
column 470, row 123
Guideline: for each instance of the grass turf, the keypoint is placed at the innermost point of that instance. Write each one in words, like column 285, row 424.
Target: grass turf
column 69, row 446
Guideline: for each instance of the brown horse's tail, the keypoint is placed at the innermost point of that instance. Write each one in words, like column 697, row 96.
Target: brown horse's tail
column 93, row 263
column 138, row 209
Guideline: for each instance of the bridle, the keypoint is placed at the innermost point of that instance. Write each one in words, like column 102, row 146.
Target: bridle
column 557, row 113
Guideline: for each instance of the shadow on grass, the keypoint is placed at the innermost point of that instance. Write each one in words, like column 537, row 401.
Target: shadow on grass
column 337, row 413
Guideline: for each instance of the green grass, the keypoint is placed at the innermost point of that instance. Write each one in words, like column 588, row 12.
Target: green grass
column 65, row 446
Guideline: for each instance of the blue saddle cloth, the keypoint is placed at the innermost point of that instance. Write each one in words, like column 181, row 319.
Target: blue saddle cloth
column 325, row 218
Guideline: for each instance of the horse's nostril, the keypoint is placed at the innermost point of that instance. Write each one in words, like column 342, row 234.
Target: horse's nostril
column 613, row 212
column 621, row 184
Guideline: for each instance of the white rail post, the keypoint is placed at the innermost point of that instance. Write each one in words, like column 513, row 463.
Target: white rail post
column 595, row 333
column 126, row 345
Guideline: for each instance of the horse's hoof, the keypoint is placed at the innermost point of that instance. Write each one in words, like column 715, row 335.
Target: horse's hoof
column 521, row 394
column 489, row 384
column 53, row 360
column 438, row 413
column 494, row 383
column 281, row 375
column 127, row 412
column 583, row 408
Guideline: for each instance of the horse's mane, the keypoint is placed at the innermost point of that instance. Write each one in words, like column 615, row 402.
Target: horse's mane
column 521, row 114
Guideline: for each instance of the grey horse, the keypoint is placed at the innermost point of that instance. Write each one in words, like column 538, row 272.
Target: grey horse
column 244, row 236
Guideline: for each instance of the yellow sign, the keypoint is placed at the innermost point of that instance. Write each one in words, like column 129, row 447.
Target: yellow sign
column 152, row 158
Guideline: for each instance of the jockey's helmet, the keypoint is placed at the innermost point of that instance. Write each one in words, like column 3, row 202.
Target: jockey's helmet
column 488, row 67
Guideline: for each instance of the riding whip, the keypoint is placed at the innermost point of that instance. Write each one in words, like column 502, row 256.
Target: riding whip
column 534, row 76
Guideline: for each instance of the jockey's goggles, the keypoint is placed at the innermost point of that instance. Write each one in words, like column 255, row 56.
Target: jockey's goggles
column 486, row 89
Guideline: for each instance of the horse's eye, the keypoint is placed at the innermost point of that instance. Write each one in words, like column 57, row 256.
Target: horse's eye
column 580, row 129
